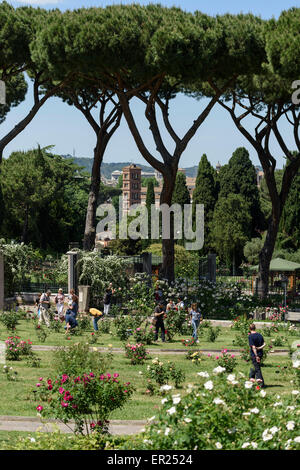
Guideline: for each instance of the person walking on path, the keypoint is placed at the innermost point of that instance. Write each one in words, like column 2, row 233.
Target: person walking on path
column 107, row 299
column 256, row 343
column 44, row 308
column 159, row 313
column 196, row 319
column 60, row 300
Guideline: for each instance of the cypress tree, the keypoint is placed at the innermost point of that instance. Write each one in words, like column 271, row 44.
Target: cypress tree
column 206, row 193
column 239, row 177
column 181, row 196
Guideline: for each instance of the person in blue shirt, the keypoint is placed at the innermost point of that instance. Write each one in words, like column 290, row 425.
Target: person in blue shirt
column 70, row 317
column 256, row 343
column 196, row 319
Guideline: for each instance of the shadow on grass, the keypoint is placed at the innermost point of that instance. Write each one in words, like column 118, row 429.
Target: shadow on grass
column 272, row 386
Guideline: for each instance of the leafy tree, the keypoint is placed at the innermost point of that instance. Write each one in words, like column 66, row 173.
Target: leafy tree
column 231, row 228
column 16, row 88
column 252, row 250
column 157, row 53
column 187, row 49
column 264, row 195
column 46, row 198
column 206, row 193
column 239, row 177
column 18, row 31
column 186, row 262
column 289, row 228
column 19, row 260
column 120, row 182
column 181, row 193
column 146, row 181
column 266, row 96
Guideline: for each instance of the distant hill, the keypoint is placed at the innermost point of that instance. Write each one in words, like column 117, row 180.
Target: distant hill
column 108, row 168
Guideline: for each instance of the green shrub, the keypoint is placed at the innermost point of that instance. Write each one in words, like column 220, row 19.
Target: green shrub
column 10, row 320
column 212, row 333
column 88, row 399
column 76, row 359
column 136, row 353
column 228, row 413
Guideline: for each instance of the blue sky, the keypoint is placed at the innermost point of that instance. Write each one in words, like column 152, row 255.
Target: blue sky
column 60, row 125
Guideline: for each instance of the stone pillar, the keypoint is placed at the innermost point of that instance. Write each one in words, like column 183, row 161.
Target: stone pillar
column 72, row 274
column 1, row 282
column 84, row 298
column 211, row 265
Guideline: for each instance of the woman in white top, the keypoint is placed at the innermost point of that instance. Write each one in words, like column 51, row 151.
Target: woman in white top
column 170, row 306
column 60, row 300
column 196, row 318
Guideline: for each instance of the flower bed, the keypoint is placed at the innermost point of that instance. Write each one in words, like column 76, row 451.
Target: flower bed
column 87, row 399
column 136, row 353
column 225, row 412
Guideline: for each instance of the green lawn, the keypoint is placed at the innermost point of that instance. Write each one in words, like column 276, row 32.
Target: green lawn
column 25, row 330
column 9, row 438
column 17, row 398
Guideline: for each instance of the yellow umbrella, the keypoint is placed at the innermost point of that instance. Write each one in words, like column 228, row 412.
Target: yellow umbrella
column 95, row 312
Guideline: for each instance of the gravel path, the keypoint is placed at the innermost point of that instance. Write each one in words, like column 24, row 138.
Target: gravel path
column 31, row 424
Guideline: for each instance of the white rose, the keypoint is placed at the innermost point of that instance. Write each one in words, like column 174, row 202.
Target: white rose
column 187, row 420
column 203, row 374
column 171, row 410
column 219, row 370
column 209, row 385
column 290, row 425
column 218, row 401
column 248, row 384
column 166, row 388
column 246, row 444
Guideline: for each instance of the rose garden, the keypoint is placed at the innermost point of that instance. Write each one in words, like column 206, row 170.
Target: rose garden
column 157, row 307
column 183, row 393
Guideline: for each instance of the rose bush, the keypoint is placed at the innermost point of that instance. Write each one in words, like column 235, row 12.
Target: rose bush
column 15, row 348
column 226, row 360
column 208, row 417
column 87, row 399
column 136, row 353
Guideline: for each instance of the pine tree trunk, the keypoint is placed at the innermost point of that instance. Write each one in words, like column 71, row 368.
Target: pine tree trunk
column 167, row 269
column 266, row 254
column 90, row 221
